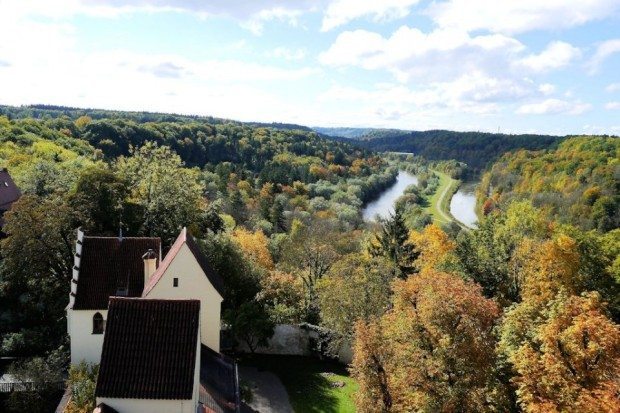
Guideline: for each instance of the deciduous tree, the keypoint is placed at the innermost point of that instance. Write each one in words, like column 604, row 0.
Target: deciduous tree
column 434, row 351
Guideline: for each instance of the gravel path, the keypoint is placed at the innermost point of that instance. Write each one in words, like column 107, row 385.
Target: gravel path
column 268, row 392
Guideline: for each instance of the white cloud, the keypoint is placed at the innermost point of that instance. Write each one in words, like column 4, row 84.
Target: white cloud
column 546, row 88
column 612, row 106
column 409, row 52
column 340, row 12
column 252, row 14
column 556, row 55
column 471, row 93
column 287, row 54
column 602, row 130
column 603, row 51
column 554, row 106
column 518, row 16
column 612, row 87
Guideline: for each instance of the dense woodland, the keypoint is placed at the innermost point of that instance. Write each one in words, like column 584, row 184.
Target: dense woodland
column 520, row 314
column 477, row 149
column 576, row 183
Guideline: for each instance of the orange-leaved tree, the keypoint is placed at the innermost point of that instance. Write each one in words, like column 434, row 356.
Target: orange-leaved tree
column 572, row 362
column 434, row 351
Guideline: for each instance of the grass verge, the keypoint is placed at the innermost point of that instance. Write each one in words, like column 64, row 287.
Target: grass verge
column 312, row 385
column 439, row 203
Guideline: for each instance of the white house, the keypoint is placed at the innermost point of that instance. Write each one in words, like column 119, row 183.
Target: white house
column 186, row 274
column 152, row 324
column 103, row 267
column 132, row 267
column 151, row 357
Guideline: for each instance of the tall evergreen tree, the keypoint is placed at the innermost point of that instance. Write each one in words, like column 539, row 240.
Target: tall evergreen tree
column 393, row 243
column 277, row 216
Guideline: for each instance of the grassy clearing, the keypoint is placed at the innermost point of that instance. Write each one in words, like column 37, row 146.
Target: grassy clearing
column 439, row 203
column 309, row 382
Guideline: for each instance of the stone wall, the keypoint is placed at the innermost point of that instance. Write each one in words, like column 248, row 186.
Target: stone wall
column 294, row 340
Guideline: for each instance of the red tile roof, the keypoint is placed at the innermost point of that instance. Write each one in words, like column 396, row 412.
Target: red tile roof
column 109, row 264
column 185, row 238
column 149, row 349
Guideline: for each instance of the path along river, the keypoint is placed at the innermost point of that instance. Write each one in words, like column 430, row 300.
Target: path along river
column 462, row 205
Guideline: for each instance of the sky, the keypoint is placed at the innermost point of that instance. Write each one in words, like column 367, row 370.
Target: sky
column 515, row 66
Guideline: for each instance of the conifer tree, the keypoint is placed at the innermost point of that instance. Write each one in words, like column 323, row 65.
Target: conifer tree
column 393, row 243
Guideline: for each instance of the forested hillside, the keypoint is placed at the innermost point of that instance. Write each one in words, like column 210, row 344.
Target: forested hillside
column 519, row 314
column 477, row 149
column 576, row 183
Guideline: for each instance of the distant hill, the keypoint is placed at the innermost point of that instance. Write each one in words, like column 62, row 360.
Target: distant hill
column 53, row 111
column 477, row 149
column 349, row 133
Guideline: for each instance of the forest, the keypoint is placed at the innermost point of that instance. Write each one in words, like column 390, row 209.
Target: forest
column 477, row 149
column 520, row 314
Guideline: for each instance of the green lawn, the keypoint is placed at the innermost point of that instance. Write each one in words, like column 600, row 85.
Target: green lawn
column 309, row 387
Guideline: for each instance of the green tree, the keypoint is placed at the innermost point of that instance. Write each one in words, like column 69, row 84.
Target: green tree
column 356, row 287
column 35, row 273
column 168, row 193
column 101, row 195
column 393, row 243
column 276, row 216
column 41, row 376
column 251, row 324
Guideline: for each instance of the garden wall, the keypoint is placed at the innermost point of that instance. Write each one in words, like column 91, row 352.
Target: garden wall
column 296, row 340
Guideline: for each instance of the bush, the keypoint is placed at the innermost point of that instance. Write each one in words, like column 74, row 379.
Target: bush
column 82, row 381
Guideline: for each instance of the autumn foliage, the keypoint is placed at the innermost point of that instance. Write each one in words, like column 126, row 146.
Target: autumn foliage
column 434, row 351
column 572, row 362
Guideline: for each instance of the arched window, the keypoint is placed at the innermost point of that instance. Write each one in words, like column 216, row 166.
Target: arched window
column 98, row 324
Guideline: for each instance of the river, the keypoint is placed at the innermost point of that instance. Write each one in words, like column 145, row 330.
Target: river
column 463, row 204
column 384, row 205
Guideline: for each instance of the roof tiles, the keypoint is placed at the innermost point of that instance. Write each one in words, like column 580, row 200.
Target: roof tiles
column 149, row 349
column 109, row 264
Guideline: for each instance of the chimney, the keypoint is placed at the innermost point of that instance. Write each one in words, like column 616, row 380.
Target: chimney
column 150, row 264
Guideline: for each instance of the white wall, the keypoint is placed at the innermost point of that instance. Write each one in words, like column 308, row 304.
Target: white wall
column 149, row 405
column 84, row 344
column 193, row 284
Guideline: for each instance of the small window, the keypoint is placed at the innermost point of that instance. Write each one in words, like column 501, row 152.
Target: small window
column 98, row 324
column 175, row 282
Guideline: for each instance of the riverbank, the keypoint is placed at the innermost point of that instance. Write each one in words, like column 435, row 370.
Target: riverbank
column 439, row 203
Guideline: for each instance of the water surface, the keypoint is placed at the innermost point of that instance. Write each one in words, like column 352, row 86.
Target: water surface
column 384, row 205
column 463, row 204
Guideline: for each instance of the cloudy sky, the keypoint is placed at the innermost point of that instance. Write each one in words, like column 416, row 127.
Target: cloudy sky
column 550, row 66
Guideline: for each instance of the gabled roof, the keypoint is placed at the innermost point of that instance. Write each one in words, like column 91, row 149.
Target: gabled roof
column 9, row 192
column 108, row 264
column 149, row 349
column 185, row 238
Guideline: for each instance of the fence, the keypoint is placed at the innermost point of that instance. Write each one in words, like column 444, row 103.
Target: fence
column 8, row 387
column 219, row 382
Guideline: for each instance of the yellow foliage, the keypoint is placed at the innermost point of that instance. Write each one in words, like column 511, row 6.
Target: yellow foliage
column 575, row 363
column 434, row 246
column 254, row 244
column 547, row 267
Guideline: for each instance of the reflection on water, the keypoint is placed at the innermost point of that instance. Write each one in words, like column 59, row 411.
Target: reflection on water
column 463, row 204
column 384, row 205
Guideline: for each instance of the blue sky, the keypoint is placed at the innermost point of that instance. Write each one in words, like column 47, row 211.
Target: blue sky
column 547, row 66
